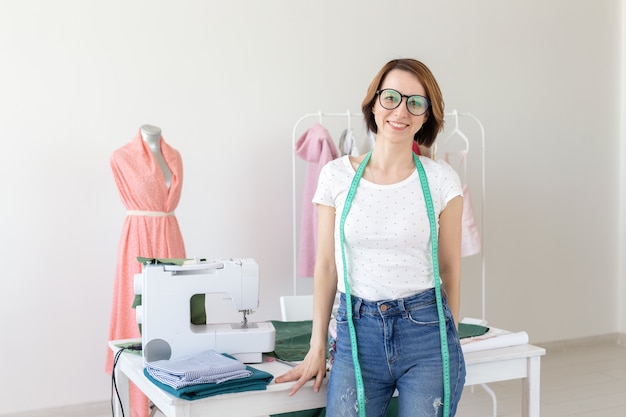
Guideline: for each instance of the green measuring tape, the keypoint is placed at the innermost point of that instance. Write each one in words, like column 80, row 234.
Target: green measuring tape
column 445, row 356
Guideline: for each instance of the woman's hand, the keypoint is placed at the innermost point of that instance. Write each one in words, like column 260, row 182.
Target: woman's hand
column 313, row 366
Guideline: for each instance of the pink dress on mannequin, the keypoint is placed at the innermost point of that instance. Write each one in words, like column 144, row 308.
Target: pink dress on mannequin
column 150, row 230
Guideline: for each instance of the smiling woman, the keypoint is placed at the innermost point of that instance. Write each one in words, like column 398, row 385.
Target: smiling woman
column 394, row 277
column 428, row 99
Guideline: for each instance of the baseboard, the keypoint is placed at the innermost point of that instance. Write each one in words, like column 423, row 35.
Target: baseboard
column 97, row 409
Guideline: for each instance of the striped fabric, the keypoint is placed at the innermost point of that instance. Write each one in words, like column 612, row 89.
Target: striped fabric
column 202, row 368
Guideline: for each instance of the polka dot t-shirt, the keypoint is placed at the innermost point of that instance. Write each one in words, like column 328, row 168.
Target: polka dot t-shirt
column 387, row 230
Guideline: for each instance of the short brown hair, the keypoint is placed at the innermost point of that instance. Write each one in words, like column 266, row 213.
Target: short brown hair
column 434, row 116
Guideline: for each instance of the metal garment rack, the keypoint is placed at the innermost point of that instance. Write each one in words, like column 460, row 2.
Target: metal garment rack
column 320, row 115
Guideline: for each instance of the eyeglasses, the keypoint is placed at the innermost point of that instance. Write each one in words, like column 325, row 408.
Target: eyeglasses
column 391, row 99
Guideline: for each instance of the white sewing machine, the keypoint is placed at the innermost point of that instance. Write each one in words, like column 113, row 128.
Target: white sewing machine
column 167, row 331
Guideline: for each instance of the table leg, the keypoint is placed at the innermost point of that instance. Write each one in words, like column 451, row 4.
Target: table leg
column 530, row 388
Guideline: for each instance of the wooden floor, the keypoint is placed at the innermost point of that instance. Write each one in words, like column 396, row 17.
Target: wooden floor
column 578, row 379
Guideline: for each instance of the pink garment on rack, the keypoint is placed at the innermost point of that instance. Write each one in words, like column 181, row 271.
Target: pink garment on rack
column 317, row 148
column 470, row 236
column 142, row 187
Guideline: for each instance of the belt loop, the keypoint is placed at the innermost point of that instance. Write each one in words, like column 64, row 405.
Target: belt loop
column 405, row 314
column 356, row 307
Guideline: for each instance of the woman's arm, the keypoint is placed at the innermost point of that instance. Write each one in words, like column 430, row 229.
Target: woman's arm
column 325, row 277
column 450, row 252
column 324, row 290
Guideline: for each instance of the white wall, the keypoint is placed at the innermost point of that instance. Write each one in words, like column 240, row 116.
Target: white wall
column 226, row 81
column 622, row 222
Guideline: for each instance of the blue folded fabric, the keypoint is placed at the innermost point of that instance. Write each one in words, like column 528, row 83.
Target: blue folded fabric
column 256, row 382
column 203, row 367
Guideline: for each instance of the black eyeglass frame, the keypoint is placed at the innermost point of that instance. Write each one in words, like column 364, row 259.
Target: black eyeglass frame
column 400, row 102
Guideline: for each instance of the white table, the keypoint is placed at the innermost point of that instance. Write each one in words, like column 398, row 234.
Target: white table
column 516, row 362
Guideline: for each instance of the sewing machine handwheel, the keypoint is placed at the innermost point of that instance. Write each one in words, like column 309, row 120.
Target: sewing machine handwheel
column 156, row 350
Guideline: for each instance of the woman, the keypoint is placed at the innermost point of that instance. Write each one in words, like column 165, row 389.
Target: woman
column 387, row 255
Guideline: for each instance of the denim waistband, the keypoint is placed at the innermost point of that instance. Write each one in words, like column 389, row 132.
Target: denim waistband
column 400, row 306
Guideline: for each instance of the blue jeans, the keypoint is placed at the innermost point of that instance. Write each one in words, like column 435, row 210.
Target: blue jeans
column 399, row 348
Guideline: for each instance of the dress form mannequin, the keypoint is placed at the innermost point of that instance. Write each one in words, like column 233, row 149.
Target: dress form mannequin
column 152, row 136
column 148, row 173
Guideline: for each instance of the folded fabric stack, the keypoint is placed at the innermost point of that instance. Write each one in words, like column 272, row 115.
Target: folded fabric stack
column 202, row 368
column 204, row 375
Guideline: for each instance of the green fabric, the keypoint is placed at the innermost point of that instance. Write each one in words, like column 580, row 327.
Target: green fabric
column 314, row 412
column 471, row 330
column 292, row 339
column 164, row 261
column 198, row 309
column 392, row 410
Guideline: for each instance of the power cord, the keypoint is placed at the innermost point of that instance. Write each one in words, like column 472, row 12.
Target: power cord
column 133, row 347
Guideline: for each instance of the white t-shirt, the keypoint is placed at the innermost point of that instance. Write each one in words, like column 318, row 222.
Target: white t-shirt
column 387, row 232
